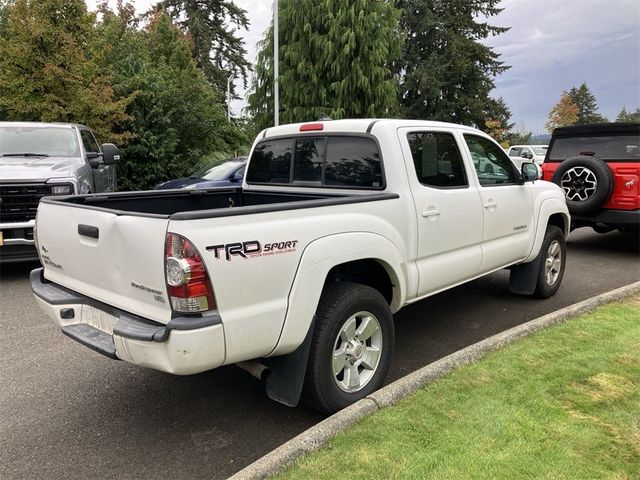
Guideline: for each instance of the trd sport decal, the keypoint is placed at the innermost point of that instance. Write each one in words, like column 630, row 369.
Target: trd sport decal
column 252, row 248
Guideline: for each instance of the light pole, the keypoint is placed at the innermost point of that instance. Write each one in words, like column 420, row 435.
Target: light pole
column 229, row 80
column 276, row 89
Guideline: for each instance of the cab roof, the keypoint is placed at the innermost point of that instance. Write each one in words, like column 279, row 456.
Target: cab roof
column 360, row 125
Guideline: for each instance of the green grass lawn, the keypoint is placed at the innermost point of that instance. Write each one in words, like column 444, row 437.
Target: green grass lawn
column 563, row 403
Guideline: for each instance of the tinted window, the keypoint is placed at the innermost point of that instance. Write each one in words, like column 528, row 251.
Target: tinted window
column 610, row 147
column 436, row 159
column 353, row 162
column 271, row 162
column 491, row 163
column 515, row 152
column 89, row 142
column 308, row 160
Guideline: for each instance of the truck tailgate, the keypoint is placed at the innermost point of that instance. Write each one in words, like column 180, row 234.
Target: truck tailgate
column 115, row 259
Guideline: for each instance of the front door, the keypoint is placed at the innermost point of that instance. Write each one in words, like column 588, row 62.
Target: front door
column 506, row 205
column 448, row 210
column 103, row 175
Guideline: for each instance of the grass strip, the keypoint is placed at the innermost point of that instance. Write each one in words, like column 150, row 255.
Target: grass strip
column 563, row 403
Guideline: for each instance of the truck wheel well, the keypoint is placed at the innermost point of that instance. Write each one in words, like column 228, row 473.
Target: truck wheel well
column 367, row 272
column 558, row 220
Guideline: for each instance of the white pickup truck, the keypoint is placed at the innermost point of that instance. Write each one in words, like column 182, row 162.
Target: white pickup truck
column 296, row 275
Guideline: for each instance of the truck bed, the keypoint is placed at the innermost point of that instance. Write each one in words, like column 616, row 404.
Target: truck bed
column 192, row 204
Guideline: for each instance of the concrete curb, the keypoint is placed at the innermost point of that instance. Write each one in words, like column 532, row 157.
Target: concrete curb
column 319, row 434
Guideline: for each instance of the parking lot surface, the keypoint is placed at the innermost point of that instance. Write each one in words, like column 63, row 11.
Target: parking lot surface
column 68, row 413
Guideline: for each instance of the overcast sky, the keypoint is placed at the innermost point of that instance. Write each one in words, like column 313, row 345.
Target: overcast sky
column 552, row 46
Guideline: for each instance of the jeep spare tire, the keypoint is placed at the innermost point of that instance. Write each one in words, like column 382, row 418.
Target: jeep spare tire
column 587, row 183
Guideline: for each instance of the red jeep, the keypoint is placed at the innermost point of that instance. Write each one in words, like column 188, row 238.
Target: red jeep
column 598, row 167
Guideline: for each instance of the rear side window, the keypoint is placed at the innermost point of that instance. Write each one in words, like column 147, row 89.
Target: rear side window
column 436, row 159
column 330, row 161
column 609, row 147
column 271, row 162
column 353, row 162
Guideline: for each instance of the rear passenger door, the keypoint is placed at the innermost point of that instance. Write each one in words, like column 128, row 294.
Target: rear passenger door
column 506, row 205
column 447, row 205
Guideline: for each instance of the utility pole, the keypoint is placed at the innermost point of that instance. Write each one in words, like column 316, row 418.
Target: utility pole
column 229, row 80
column 276, row 87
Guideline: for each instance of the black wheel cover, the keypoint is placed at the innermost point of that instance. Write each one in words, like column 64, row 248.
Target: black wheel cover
column 586, row 181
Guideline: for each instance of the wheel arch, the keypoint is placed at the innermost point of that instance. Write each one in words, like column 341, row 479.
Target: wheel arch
column 553, row 211
column 360, row 257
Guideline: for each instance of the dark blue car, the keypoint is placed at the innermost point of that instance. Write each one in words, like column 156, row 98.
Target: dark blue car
column 226, row 174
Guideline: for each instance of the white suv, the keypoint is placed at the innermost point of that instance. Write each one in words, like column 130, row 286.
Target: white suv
column 527, row 153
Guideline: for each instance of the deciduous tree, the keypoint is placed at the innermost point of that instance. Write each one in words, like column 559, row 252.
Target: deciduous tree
column 177, row 117
column 563, row 114
column 48, row 68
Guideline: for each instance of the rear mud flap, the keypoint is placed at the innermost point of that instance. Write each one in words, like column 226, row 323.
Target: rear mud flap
column 286, row 378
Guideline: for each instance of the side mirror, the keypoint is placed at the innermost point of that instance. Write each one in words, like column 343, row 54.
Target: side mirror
column 110, row 154
column 524, row 155
column 529, row 172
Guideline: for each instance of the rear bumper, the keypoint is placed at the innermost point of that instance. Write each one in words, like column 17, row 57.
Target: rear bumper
column 611, row 218
column 184, row 346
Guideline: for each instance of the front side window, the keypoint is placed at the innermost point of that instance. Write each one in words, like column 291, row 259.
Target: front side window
column 89, row 142
column 436, row 159
column 491, row 163
column 515, row 152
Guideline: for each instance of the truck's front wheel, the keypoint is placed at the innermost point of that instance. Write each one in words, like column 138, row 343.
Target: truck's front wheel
column 351, row 347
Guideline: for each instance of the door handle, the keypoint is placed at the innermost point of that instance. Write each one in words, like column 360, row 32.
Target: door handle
column 431, row 213
column 490, row 204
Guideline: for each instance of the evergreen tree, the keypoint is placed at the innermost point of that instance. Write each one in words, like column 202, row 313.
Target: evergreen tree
column 563, row 114
column 48, row 70
column 176, row 117
column 587, row 105
column 335, row 60
column 446, row 72
column 5, row 7
column 625, row 116
column 212, row 26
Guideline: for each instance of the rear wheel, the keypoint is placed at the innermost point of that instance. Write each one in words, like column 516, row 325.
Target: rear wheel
column 351, row 347
column 551, row 263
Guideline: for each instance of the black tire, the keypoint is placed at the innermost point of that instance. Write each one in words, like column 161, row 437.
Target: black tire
column 545, row 288
column 575, row 176
column 339, row 302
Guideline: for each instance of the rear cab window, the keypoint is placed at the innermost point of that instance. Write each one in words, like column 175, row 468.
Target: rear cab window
column 328, row 161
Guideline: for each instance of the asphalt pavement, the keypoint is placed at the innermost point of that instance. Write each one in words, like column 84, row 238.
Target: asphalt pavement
column 68, row 413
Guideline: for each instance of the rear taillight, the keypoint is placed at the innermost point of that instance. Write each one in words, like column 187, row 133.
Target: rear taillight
column 188, row 283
